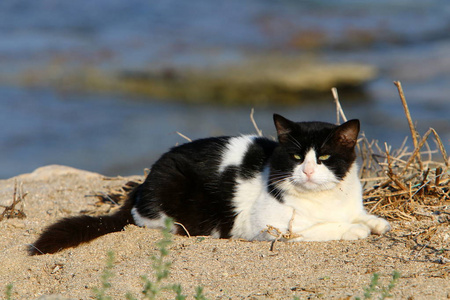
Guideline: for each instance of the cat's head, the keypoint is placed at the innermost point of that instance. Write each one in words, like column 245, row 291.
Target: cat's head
column 312, row 156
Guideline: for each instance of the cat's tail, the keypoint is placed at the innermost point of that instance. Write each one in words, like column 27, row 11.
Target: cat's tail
column 73, row 231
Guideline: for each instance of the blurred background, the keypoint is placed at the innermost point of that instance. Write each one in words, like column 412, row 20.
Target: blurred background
column 106, row 85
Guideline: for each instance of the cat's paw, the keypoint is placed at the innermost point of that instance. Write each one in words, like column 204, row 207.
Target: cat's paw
column 356, row 232
column 378, row 225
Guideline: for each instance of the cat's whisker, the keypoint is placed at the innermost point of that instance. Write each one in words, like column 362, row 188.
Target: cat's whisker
column 278, row 189
column 280, row 180
column 279, row 175
column 294, row 141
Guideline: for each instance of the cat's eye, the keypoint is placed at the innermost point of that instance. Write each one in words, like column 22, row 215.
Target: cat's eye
column 296, row 157
column 324, row 157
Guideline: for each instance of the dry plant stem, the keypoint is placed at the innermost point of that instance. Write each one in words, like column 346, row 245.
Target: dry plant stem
column 420, row 145
column 106, row 196
column 441, row 147
column 182, row 226
column 438, row 176
column 184, row 137
column 403, row 183
column 414, row 154
column 391, row 173
column 288, row 235
column 258, row 131
column 339, row 111
column 11, row 211
column 375, row 206
column 386, row 194
column 414, row 133
column 270, row 230
column 373, row 179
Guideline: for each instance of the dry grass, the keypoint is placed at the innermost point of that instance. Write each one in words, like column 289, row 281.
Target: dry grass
column 16, row 209
column 411, row 187
column 401, row 184
column 406, row 185
column 112, row 200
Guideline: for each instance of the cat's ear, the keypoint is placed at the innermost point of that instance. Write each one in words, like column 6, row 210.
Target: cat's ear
column 346, row 134
column 283, row 126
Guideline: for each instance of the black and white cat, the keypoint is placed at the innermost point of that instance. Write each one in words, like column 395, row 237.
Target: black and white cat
column 306, row 185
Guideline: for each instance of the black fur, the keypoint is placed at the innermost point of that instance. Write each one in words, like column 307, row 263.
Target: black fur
column 186, row 184
column 70, row 232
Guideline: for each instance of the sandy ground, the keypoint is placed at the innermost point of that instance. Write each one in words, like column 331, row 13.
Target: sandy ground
column 227, row 269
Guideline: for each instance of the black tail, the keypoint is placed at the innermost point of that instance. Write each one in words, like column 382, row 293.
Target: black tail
column 70, row 232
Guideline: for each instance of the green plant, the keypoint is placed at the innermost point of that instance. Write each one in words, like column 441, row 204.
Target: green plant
column 375, row 287
column 152, row 289
column 199, row 294
column 8, row 292
column 100, row 293
column 161, row 267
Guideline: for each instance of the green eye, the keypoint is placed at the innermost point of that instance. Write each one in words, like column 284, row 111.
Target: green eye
column 296, row 157
column 324, row 157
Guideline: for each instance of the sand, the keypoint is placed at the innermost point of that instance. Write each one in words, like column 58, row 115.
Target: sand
column 226, row 269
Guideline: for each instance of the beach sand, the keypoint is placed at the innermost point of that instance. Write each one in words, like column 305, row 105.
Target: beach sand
column 226, row 269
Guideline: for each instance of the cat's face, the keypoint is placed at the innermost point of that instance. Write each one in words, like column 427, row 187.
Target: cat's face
column 313, row 156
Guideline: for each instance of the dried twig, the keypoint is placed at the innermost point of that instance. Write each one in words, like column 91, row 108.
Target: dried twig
column 11, row 211
column 182, row 226
column 339, row 111
column 413, row 130
column 184, row 137
column 399, row 181
column 258, row 131
column 278, row 234
column 420, row 145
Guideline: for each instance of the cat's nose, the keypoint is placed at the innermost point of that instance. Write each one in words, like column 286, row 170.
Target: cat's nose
column 308, row 170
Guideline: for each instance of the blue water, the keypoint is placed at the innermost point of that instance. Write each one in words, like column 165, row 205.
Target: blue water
column 121, row 134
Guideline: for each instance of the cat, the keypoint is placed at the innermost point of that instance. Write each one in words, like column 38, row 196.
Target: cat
column 305, row 187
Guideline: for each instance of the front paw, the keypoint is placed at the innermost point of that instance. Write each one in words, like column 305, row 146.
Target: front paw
column 378, row 225
column 356, row 232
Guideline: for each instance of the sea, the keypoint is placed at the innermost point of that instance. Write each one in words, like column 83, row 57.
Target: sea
column 115, row 133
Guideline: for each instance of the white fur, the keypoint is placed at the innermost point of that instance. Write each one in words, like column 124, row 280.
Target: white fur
column 215, row 233
column 318, row 206
column 150, row 223
column 235, row 150
column 245, row 202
